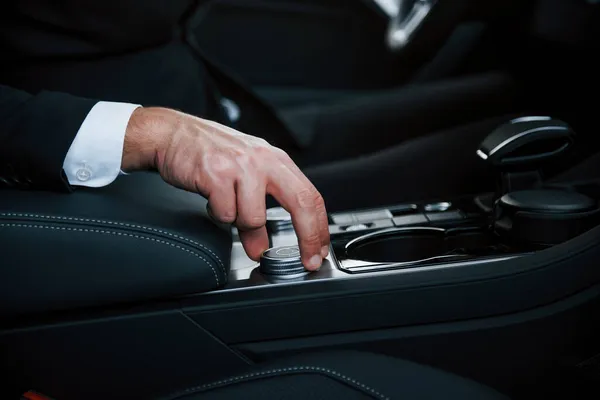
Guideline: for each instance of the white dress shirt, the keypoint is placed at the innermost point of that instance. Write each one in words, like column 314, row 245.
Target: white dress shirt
column 94, row 158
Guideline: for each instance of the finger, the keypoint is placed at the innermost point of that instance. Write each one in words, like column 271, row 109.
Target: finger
column 319, row 204
column 222, row 203
column 255, row 242
column 299, row 200
column 252, row 214
column 251, row 202
column 323, row 225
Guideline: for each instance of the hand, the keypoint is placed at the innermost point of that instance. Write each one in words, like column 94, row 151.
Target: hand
column 234, row 171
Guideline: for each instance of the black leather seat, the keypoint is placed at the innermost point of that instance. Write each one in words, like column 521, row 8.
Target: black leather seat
column 340, row 375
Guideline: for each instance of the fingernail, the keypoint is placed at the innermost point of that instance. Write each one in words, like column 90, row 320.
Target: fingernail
column 324, row 251
column 315, row 261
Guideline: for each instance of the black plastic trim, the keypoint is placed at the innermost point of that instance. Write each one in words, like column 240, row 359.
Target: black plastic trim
column 443, row 294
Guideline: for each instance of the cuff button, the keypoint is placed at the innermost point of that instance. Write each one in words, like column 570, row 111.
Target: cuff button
column 83, row 174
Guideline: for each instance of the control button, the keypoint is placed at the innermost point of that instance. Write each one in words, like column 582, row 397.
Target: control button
column 370, row 216
column 282, row 262
column 446, row 216
column 381, row 224
column 403, row 209
column 411, row 220
column 361, row 217
column 437, row 207
column 83, row 174
column 357, row 227
column 342, row 219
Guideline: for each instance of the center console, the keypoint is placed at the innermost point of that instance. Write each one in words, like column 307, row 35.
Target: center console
column 468, row 284
column 523, row 216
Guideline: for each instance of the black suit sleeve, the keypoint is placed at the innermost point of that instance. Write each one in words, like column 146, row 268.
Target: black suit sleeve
column 36, row 132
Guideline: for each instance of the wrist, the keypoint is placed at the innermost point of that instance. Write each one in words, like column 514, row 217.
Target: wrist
column 147, row 131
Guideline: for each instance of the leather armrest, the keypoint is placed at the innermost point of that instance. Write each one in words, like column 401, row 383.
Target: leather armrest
column 137, row 239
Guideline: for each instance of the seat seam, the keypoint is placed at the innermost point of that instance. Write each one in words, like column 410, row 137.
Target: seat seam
column 124, row 224
column 115, row 233
column 274, row 372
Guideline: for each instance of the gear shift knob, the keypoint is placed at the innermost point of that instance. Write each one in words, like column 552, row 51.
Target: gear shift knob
column 521, row 147
column 526, row 142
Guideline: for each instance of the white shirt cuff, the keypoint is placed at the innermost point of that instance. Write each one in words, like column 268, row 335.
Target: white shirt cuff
column 94, row 158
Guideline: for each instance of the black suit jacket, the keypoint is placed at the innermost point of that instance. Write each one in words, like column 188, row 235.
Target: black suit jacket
column 36, row 132
column 136, row 51
column 114, row 50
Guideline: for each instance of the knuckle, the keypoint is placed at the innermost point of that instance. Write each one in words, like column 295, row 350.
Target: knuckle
column 252, row 221
column 281, row 153
column 263, row 152
column 256, row 221
column 319, row 201
column 324, row 221
column 253, row 159
column 220, row 165
column 262, row 143
column 305, row 198
column 228, row 216
column 244, row 160
column 225, row 215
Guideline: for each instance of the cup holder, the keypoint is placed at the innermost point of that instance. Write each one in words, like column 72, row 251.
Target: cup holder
column 417, row 244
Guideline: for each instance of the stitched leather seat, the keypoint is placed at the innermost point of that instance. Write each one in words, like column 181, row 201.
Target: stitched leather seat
column 340, row 375
column 138, row 229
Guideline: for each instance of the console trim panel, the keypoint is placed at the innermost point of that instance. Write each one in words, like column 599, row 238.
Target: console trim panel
column 249, row 278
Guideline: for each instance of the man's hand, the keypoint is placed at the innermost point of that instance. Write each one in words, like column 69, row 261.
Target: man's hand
column 234, row 171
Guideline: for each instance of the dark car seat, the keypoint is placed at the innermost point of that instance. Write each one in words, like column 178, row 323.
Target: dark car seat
column 340, row 375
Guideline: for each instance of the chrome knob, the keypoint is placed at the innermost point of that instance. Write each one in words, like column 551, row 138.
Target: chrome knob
column 282, row 262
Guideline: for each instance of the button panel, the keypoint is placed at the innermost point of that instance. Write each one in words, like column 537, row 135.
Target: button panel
column 357, row 227
column 403, row 209
column 374, row 225
column 362, row 217
column 369, row 216
column 438, row 207
column 343, row 219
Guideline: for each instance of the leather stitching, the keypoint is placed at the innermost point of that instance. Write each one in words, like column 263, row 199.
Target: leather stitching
column 100, row 231
column 281, row 371
column 124, row 224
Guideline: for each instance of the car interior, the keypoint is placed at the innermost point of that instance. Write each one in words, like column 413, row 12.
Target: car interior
column 133, row 291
